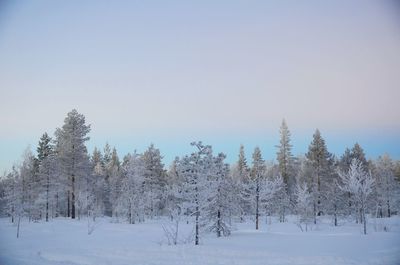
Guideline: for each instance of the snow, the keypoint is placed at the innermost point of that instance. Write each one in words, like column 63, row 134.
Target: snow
column 65, row 241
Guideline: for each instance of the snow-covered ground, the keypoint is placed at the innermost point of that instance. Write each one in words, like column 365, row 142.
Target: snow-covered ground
column 64, row 241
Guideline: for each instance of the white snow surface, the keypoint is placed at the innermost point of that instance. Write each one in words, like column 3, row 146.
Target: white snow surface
column 65, row 241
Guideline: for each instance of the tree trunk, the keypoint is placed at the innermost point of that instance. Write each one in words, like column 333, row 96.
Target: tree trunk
column 257, row 200
column 68, row 205
column 19, row 221
column 196, row 242
column 73, row 198
column 47, row 197
column 364, row 220
column 219, row 224
column 388, row 207
column 335, row 215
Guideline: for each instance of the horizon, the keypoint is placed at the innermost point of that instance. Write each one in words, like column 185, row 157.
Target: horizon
column 226, row 73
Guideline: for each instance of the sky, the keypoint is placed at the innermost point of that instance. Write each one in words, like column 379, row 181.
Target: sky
column 224, row 72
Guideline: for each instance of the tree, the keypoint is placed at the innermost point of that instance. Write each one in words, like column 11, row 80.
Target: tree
column 195, row 169
column 131, row 199
column 321, row 162
column 241, row 177
column 358, row 153
column 47, row 162
column 112, row 181
column 284, row 156
column 359, row 184
column 72, row 153
column 220, row 203
column 304, row 205
column 257, row 175
column 387, row 189
column 155, row 180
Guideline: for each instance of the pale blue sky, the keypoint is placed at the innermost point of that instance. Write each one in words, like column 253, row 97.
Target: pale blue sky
column 227, row 72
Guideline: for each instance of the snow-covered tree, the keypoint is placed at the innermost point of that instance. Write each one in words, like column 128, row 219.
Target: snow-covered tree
column 155, row 181
column 240, row 175
column 47, row 171
column 220, row 203
column 131, row 202
column 72, row 154
column 304, row 205
column 359, row 184
column 195, row 170
column 257, row 176
column 285, row 157
column 321, row 163
column 387, row 188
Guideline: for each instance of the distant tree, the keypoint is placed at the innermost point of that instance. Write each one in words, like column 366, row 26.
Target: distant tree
column 257, row 176
column 284, row 156
column 131, row 200
column 357, row 152
column 321, row 162
column 195, row 170
column 387, row 189
column 220, row 203
column 47, row 169
column 359, row 184
column 155, row 181
column 304, row 205
column 241, row 177
column 72, row 153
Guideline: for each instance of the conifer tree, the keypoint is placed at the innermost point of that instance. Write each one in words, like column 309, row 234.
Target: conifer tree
column 257, row 175
column 285, row 157
column 72, row 153
column 321, row 162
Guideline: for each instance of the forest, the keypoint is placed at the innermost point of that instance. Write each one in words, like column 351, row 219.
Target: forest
column 63, row 180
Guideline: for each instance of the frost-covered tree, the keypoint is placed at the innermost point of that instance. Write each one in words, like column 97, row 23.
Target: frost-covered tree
column 155, row 181
column 387, row 188
column 285, row 157
column 195, row 170
column 359, row 184
column 131, row 202
column 304, row 205
column 257, row 176
column 321, row 163
column 357, row 152
column 47, row 170
column 112, row 180
column 240, row 174
column 220, row 202
column 72, row 154
column 270, row 190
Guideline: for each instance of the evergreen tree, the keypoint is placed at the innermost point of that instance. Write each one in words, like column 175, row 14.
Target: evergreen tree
column 257, row 175
column 155, row 180
column 285, row 157
column 72, row 153
column 47, row 162
column 321, row 162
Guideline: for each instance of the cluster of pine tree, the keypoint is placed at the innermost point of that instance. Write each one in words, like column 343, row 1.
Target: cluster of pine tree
column 62, row 179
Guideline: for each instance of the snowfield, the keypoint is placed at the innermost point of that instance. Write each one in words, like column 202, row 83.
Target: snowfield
column 65, row 241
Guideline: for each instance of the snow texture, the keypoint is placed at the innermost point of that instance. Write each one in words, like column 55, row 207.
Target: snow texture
column 65, row 241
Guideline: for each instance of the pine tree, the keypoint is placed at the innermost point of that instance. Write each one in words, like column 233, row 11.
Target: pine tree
column 155, row 180
column 241, row 177
column 46, row 160
column 257, row 175
column 195, row 169
column 285, row 157
column 358, row 153
column 321, row 162
column 220, row 203
column 72, row 153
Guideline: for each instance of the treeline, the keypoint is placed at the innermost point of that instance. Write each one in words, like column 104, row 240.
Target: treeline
column 62, row 179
